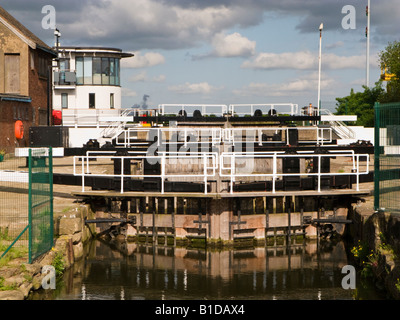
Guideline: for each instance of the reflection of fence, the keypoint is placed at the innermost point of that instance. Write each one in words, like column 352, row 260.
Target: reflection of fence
column 26, row 220
column 387, row 157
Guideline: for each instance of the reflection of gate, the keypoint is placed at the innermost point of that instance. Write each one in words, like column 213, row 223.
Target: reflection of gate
column 40, row 202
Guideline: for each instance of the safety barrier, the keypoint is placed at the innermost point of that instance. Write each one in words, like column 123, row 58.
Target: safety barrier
column 263, row 109
column 162, row 158
column 170, row 135
column 215, row 136
column 193, row 109
column 231, row 159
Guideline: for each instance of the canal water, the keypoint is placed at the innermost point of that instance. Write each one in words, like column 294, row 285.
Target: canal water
column 132, row 271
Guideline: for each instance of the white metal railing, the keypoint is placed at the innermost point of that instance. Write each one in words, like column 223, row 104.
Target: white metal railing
column 170, row 135
column 255, row 135
column 92, row 117
column 249, row 109
column 339, row 126
column 116, row 127
column 215, row 136
column 189, row 109
column 228, row 167
column 204, row 158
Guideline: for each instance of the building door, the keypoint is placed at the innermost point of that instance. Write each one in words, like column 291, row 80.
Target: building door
column 11, row 74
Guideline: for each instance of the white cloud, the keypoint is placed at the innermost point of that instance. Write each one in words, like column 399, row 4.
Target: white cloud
column 156, row 24
column 149, row 59
column 128, row 93
column 159, row 78
column 143, row 77
column 297, row 87
column 303, row 60
column 287, row 60
column 233, row 45
column 194, row 88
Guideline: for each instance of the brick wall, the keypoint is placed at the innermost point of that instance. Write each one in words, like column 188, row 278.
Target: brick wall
column 11, row 111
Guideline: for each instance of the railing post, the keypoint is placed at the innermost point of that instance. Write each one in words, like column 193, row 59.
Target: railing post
column 232, row 171
column 358, row 172
column 274, row 171
column 162, row 172
column 122, row 174
column 205, row 173
column 319, row 173
column 83, row 173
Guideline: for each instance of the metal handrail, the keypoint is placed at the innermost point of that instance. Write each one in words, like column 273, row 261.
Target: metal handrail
column 162, row 157
column 268, row 107
column 342, row 129
column 202, row 135
column 230, row 137
column 223, row 109
column 231, row 158
column 217, row 136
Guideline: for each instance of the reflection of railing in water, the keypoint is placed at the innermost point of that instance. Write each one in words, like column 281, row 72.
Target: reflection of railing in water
column 291, row 273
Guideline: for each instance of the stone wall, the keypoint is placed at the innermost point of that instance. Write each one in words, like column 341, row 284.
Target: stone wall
column 380, row 231
column 71, row 234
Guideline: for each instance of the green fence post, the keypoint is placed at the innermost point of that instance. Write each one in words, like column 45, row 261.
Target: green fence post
column 30, row 206
column 376, row 155
column 51, row 195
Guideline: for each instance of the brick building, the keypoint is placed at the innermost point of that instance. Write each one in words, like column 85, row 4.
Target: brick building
column 25, row 68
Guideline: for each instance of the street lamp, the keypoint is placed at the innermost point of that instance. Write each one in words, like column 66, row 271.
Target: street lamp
column 367, row 34
column 321, row 27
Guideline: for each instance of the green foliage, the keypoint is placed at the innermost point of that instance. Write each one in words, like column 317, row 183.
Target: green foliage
column 361, row 104
column 389, row 59
column 397, row 284
column 58, row 264
column 4, row 287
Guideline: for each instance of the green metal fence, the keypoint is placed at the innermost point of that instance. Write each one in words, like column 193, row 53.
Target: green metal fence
column 40, row 202
column 26, row 204
column 387, row 157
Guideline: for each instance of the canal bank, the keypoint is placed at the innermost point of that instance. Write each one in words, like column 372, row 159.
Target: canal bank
column 376, row 239
column 19, row 279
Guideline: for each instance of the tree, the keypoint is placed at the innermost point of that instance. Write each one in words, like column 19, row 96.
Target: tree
column 390, row 61
column 361, row 104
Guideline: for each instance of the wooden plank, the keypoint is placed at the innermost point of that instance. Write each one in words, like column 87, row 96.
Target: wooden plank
column 12, row 73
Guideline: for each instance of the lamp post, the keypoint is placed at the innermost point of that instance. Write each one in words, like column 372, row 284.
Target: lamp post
column 50, row 70
column 367, row 35
column 57, row 34
column 321, row 27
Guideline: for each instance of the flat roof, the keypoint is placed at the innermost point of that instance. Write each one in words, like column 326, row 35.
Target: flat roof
column 97, row 49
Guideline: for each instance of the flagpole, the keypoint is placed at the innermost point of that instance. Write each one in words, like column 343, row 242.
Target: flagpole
column 368, row 38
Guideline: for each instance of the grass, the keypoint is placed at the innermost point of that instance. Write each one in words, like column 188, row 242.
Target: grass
column 4, row 287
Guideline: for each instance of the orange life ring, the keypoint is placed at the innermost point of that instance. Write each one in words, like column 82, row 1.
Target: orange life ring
column 19, row 130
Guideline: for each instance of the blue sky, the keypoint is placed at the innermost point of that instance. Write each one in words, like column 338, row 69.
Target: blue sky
column 225, row 51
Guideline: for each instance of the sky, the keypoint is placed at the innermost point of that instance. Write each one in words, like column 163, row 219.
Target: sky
column 226, row 51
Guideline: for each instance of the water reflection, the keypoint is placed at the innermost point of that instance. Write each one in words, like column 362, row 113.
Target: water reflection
column 136, row 271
